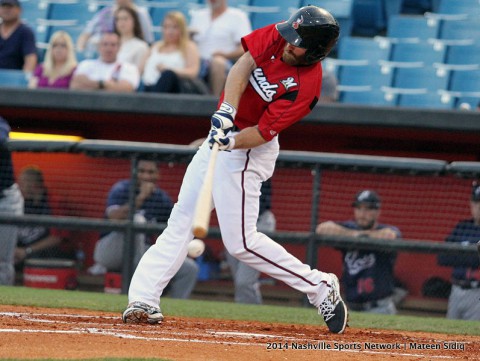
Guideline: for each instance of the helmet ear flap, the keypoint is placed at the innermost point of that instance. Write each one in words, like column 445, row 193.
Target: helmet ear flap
column 314, row 55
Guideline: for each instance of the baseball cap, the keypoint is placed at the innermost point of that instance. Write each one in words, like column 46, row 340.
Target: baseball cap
column 10, row 2
column 475, row 192
column 368, row 197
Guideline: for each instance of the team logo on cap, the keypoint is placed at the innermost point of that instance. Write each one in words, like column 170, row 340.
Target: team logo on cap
column 297, row 22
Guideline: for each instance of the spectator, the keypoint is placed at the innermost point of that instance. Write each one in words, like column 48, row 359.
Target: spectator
column 173, row 64
column 11, row 203
column 58, row 66
column 103, row 22
column 133, row 48
column 367, row 275
column 246, row 278
column 37, row 241
column 152, row 205
column 106, row 72
column 217, row 30
column 17, row 41
column 463, row 302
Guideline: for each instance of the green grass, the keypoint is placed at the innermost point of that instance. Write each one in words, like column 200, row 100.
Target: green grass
column 228, row 310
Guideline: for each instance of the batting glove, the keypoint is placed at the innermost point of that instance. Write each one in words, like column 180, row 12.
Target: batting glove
column 224, row 142
column 223, row 117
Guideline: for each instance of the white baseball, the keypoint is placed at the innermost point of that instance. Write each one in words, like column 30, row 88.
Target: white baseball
column 196, row 248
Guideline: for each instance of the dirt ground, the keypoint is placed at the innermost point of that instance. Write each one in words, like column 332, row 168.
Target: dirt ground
column 28, row 332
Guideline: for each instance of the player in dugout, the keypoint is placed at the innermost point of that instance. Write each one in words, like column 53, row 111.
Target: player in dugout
column 273, row 85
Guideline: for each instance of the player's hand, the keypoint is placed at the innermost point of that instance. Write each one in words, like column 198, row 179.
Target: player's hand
column 223, row 117
column 224, row 142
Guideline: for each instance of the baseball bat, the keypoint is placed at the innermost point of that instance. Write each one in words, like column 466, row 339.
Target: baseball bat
column 203, row 207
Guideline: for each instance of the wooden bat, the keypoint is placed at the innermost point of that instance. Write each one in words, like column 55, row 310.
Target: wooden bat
column 201, row 220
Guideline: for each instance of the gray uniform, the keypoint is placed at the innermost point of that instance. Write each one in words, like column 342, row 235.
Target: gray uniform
column 11, row 203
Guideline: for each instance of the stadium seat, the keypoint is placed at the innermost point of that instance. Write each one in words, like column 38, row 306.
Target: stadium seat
column 411, row 27
column 467, row 7
column 465, row 81
column 368, row 97
column 75, row 10
column 13, row 78
column 460, row 30
column 358, row 48
column 368, row 17
column 158, row 9
column 340, row 9
column 468, row 102
column 368, row 75
column 265, row 12
column 418, row 7
column 33, row 10
column 426, row 77
column 422, row 52
column 463, row 55
column 426, row 100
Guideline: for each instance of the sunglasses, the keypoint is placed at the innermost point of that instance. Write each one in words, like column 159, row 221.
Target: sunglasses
column 62, row 45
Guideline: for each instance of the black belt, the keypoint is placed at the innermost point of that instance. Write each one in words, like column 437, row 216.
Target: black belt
column 465, row 284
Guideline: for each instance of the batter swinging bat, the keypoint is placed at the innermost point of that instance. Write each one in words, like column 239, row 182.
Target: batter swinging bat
column 203, row 208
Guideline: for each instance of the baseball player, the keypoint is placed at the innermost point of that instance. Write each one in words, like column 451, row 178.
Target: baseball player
column 463, row 303
column 11, row 202
column 273, row 85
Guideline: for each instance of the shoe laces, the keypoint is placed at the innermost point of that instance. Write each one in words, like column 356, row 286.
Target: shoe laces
column 328, row 305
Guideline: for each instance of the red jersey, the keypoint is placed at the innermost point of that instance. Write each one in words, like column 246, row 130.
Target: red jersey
column 278, row 94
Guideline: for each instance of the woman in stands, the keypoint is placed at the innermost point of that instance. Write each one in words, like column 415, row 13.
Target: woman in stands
column 133, row 47
column 60, row 61
column 173, row 64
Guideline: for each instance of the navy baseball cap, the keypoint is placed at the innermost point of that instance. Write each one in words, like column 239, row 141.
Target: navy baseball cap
column 475, row 192
column 368, row 197
column 10, row 2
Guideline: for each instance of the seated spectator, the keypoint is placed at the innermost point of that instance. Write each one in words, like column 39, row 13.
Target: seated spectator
column 152, row 205
column 106, row 72
column 217, row 30
column 103, row 22
column 58, row 66
column 463, row 303
column 368, row 275
column 11, row 203
column 173, row 64
column 17, row 40
column 133, row 48
column 37, row 241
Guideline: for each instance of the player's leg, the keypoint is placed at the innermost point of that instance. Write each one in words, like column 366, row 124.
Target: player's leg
column 237, row 204
column 454, row 303
column 162, row 260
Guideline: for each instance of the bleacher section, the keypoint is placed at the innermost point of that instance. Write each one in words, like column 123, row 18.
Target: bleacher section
column 410, row 49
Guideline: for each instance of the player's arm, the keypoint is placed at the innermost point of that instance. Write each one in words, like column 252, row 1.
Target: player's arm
column 119, row 212
column 238, row 78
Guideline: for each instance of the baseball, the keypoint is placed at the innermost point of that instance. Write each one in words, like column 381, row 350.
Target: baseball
column 196, row 248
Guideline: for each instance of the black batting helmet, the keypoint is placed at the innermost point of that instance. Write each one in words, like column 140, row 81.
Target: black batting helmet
column 311, row 28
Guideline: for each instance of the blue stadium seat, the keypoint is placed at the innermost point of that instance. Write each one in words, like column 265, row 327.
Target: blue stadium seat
column 13, row 78
column 158, row 10
column 79, row 11
column 463, row 54
column 368, row 75
column 418, row 27
column 421, row 77
column 368, row 97
column 427, row 100
column 468, row 102
column 417, row 52
column 368, row 17
column 460, row 30
column 340, row 9
column 357, row 48
column 467, row 7
column 465, row 81
column 418, row 7
column 265, row 12
column 33, row 10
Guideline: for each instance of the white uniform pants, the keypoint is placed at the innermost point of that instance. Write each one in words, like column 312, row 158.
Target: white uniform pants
column 236, row 191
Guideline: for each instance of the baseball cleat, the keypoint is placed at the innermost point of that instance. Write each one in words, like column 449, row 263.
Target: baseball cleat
column 139, row 312
column 333, row 309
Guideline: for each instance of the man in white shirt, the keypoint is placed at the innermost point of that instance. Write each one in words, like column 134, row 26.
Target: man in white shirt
column 106, row 72
column 217, row 30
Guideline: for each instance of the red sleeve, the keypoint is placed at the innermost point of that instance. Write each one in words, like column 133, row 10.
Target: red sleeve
column 262, row 43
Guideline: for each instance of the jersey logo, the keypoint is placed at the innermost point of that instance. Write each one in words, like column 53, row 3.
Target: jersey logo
column 297, row 22
column 261, row 85
column 288, row 83
column 356, row 264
